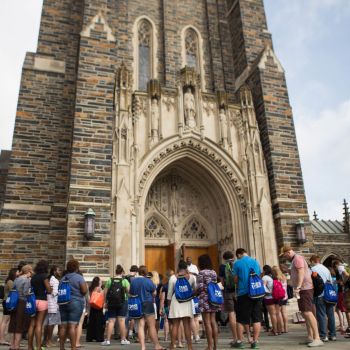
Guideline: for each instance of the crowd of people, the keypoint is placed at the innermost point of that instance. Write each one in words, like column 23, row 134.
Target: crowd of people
column 179, row 303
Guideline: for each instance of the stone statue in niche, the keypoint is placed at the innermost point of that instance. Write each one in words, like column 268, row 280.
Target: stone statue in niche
column 189, row 108
column 154, row 119
column 223, row 126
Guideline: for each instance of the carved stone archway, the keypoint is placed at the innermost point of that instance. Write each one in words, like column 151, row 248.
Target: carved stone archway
column 216, row 172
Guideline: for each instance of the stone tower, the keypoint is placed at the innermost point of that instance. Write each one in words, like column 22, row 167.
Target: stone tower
column 170, row 119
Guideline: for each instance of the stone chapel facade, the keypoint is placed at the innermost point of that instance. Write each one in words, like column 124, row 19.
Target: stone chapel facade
column 170, row 119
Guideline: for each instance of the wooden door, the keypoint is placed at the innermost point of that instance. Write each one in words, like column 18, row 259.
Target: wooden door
column 160, row 258
column 195, row 252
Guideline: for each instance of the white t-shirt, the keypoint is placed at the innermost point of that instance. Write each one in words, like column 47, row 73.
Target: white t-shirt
column 193, row 269
column 268, row 285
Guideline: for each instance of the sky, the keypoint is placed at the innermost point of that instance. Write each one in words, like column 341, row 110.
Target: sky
column 311, row 39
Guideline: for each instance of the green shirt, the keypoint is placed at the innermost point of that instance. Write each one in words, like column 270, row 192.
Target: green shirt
column 125, row 284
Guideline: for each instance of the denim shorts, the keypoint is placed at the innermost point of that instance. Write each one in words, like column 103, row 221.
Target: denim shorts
column 71, row 312
column 118, row 312
column 148, row 308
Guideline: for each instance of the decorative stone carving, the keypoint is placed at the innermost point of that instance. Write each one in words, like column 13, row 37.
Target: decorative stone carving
column 154, row 120
column 169, row 103
column 155, row 228
column 194, row 230
column 223, row 127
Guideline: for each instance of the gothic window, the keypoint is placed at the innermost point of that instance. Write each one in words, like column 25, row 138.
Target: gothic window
column 145, row 53
column 194, row 230
column 191, row 47
column 155, row 228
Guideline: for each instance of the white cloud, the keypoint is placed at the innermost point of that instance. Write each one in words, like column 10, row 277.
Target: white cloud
column 324, row 145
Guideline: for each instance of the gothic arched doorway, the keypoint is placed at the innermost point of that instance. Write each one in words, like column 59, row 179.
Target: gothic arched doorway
column 186, row 214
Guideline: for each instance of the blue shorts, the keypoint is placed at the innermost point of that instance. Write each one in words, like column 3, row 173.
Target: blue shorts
column 119, row 312
column 71, row 312
column 148, row 308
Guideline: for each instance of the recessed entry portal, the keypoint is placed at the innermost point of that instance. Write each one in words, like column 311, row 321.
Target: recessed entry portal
column 186, row 214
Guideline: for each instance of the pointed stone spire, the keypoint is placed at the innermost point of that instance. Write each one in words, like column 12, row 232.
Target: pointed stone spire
column 346, row 220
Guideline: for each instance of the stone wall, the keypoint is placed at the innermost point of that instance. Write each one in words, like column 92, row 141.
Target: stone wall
column 4, row 163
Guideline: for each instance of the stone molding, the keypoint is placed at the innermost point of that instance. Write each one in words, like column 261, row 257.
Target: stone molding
column 98, row 19
column 49, row 65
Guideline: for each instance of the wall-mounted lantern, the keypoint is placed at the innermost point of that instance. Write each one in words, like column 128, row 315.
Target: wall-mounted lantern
column 89, row 228
column 300, row 227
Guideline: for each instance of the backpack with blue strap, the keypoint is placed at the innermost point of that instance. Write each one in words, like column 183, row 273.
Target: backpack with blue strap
column 12, row 299
column 134, row 307
column 215, row 296
column 256, row 289
column 183, row 289
column 330, row 295
column 30, row 303
column 64, row 292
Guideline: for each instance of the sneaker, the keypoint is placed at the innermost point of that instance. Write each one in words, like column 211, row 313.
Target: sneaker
column 197, row 340
column 334, row 338
column 238, row 345
column 306, row 342
column 254, row 345
column 347, row 330
column 106, row 343
column 124, row 342
column 324, row 339
column 316, row 343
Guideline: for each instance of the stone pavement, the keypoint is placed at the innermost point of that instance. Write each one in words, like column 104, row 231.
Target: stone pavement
column 286, row 341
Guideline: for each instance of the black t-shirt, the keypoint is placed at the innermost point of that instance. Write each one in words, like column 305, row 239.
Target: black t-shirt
column 38, row 286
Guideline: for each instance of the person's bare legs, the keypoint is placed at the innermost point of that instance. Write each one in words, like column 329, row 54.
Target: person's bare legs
column 122, row 328
column 233, row 324
column 284, row 318
column 272, row 313
column 174, row 331
column 278, row 310
column 214, row 329
column 207, row 324
column 141, row 333
column 194, row 327
column 240, row 328
column 151, row 322
column 48, row 335
column 3, row 327
column 110, row 328
column 79, row 329
column 62, row 333
column 39, row 320
column 187, row 329
column 312, row 324
column 31, row 333
column 256, row 331
column 347, row 314
column 73, row 335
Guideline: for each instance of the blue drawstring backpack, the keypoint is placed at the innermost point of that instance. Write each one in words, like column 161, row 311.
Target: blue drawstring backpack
column 195, row 302
column 30, row 304
column 215, row 294
column 330, row 295
column 64, row 292
column 183, row 290
column 256, row 289
column 134, row 307
column 12, row 299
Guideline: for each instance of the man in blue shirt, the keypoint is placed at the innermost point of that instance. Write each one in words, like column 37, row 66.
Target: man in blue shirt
column 247, row 310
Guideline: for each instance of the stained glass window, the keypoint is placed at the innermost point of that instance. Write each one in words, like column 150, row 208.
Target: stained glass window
column 145, row 39
column 191, row 45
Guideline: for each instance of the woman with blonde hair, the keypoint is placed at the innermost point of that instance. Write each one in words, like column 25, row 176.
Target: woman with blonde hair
column 281, row 306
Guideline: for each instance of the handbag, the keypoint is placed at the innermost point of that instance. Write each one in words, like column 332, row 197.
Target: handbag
column 97, row 300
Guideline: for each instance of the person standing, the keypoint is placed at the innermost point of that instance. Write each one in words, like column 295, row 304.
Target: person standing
column 41, row 288
column 226, row 278
column 116, row 299
column 6, row 313
column 303, row 290
column 206, row 276
column 324, row 311
column 95, row 328
column 180, row 311
column 53, row 316
column 144, row 288
column 248, row 310
column 281, row 306
column 19, row 320
column 72, row 312
column 191, row 268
